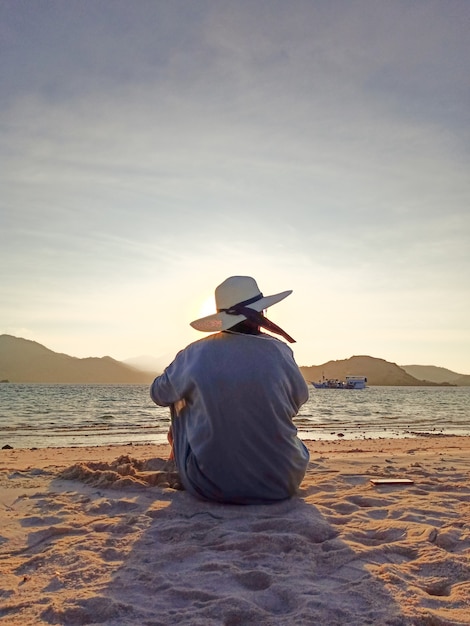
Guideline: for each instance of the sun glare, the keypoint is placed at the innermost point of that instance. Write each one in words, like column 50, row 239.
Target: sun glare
column 207, row 307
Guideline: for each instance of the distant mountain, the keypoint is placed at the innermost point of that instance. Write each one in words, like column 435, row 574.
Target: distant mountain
column 462, row 381
column 377, row 371
column 147, row 363
column 436, row 374
column 25, row 361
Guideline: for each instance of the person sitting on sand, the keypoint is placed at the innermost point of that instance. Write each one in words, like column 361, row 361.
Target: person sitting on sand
column 232, row 397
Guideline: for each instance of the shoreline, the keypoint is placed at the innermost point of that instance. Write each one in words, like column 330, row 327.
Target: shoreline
column 58, row 456
column 307, row 436
column 99, row 535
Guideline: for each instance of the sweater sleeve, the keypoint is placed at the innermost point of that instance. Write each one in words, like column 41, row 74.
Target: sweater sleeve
column 163, row 390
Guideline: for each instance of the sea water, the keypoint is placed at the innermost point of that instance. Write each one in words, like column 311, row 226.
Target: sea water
column 53, row 415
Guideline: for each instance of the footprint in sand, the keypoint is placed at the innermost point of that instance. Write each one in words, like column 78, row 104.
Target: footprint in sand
column 344, row 508
column 370, row 501
column 35, row 520
column 90, row 610
column 109, row 507
column 438, row 587
column 254, row 580
column 453, row 539
column 380, row 536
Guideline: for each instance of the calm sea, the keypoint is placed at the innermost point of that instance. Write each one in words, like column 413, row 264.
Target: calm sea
column 79, row 415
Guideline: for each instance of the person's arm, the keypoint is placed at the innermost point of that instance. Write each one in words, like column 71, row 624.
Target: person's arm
column 162, row 391
column 299, row 384
column 168, row 389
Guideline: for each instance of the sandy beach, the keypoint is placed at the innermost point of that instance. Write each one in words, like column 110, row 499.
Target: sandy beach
column 103, row 535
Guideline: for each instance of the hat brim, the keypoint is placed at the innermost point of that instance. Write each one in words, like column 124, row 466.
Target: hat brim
column 223, row 321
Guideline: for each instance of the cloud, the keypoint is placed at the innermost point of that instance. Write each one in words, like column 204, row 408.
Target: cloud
column 323, row 146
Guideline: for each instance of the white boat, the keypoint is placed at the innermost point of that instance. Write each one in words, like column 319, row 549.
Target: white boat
column 356, row 382
column 351, row 382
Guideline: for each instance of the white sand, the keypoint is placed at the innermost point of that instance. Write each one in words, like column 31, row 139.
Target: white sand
column 115, row 544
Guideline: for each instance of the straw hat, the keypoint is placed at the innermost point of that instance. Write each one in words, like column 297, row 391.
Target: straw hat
column 236, row 292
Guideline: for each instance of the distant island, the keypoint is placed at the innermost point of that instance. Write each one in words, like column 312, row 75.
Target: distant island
column 381, row 372
column 439, row 375
column 26, row 361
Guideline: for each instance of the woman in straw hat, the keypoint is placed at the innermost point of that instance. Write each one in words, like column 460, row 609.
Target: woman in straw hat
column 232, row 397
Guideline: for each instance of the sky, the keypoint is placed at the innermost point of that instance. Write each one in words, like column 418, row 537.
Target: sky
column 151, row 149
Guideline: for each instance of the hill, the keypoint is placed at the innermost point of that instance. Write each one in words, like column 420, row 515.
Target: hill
column 151, row 364
column 436, row 374
column 462, row 381
column 25, row 361
column 377, row 371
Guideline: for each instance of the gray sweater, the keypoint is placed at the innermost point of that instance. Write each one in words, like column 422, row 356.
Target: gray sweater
column 233, row 397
